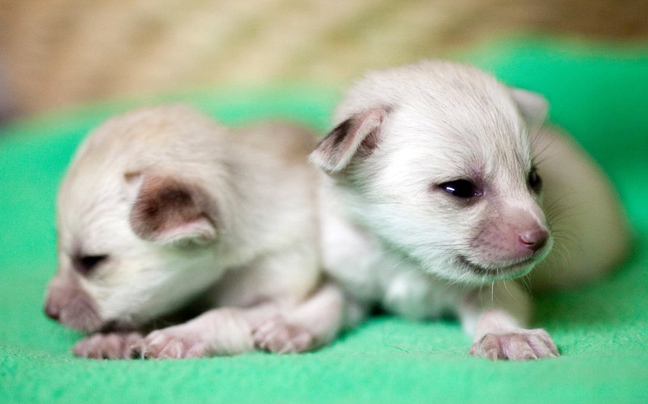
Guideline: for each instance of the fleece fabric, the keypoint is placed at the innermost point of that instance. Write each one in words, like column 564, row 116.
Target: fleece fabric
column 597, row 92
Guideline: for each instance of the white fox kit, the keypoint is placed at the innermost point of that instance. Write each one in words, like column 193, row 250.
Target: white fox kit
column 443, row 186
column 161, row 205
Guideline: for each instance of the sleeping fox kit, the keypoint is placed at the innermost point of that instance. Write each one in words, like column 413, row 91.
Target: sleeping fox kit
column 161, row 205
column 443, row 186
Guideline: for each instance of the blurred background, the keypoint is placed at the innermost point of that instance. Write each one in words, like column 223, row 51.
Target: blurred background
column 59, row 53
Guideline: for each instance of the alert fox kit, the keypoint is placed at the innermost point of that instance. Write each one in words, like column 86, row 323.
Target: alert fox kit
column 438, row 185
column 444, row 184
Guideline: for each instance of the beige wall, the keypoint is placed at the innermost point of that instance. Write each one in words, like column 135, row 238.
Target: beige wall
column 59, row 52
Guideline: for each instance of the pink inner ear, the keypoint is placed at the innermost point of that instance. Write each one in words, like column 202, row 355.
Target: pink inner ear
column 370, row 123
column 168, row 209
column 199, row 231
column 355, row 137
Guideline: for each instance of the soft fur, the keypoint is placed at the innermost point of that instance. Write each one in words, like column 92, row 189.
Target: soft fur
column 161, row 205
column 393, row 234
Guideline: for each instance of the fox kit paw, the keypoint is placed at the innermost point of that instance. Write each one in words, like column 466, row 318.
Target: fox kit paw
column 517, row 345
column 172, row 343
column 279, row 336
column 108, row 346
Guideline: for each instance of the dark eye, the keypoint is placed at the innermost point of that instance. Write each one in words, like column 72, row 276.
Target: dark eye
column 461, row 189
column 535, row 182
column 84, row 264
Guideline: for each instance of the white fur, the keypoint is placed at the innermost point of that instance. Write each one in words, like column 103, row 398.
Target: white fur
column 393, row 237
column 257, row 254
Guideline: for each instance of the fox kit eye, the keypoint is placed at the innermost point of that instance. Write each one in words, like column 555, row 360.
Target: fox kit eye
column 463, row 189
column 85, row 264
column 534, row 180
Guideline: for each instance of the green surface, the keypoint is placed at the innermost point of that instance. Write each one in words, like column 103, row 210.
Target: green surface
column 597, row 92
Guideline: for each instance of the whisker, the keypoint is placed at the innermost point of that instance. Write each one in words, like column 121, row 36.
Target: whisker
column 407, row 259
column 534, row 140
column 509, row 292
column 526, row 282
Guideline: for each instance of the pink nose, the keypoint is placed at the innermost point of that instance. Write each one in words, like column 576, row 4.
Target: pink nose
column 535, row 239
column 52, row 311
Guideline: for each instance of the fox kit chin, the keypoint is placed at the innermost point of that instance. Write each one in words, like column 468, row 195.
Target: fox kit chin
column 444, row 185
column 161, row 205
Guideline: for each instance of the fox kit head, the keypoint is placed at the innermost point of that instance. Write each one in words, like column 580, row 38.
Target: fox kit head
column 435, row 158
column 133, row 219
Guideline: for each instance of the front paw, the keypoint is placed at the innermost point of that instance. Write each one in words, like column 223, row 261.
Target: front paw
column 107, row 346
column 517, row 345
column 172, row 343
column 281, row 337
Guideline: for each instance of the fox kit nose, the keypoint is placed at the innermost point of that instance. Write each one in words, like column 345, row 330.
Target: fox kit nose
column 534, row 239
column 52, row 311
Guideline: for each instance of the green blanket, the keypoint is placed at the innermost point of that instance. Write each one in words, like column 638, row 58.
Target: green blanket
column 598, row 93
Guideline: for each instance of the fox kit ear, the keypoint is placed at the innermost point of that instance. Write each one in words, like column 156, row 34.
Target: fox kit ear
column 169, row 210
column 533, row 107
column 357, row 136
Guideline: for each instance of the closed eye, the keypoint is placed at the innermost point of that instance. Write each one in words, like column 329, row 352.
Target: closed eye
column 85, row 264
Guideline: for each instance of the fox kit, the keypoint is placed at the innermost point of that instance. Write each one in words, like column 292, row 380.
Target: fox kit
column 444, row 186
column 161, row 205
